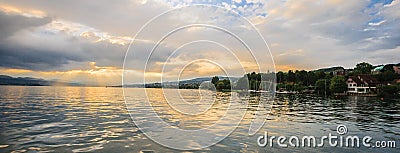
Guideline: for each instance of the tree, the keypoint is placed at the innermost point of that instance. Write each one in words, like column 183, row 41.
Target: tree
column 280, row 77
column 301, row 77
column 223, row 85
column 254, row 76
column 388, row 90
column 330, row 75
column 388, row 67
column 215, row 80
column 227, row 84
column 253, row 84
column 338, row 84
column 363, row 68
column 220, row 85
column 311, row 78
column 258, row 77
column 298, row 87
column 254, row 80
column 322, row 86
column 291, row 77
column 268, row 77
column 321, row 75
column 387, row 76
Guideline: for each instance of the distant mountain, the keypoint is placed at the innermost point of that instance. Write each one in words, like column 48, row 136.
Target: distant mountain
column 28, row 81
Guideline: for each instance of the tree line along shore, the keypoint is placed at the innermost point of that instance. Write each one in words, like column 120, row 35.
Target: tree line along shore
column 364, row 80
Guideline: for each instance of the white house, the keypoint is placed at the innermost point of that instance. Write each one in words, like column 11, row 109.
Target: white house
column 361, row 84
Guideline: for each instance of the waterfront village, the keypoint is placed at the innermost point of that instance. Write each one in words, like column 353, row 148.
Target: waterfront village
column 363, row 80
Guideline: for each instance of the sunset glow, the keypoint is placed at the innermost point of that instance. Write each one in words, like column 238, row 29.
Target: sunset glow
column 54, row 43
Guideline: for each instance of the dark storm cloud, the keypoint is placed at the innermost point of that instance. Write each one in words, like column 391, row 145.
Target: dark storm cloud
column 44, row 50
column 11, row 23
column 347, row 31
column 58, row 54
column 122, row 17
column 21, row 49
column 20, row 57
column 32, row 59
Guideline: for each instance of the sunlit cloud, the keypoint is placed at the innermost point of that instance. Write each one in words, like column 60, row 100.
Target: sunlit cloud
column 48, row 40
column 95, row 75
column 22, row 11
column 92, row 34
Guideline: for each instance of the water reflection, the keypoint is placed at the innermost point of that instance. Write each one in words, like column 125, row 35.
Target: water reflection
column 84, row 119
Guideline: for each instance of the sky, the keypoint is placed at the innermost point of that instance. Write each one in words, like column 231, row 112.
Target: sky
column 86, row 41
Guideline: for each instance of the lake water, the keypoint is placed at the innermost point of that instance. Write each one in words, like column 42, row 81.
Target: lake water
column 84, row 119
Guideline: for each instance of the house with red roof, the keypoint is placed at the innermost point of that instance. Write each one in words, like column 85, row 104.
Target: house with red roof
column 361, row 84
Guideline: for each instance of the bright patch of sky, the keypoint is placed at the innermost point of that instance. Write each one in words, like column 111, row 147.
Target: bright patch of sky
column 375, row 13
column 247, row 8
column 46, row 36
column 373, row 2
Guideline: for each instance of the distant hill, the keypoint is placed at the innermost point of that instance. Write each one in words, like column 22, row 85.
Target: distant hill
column 203, row 79
column 29, row 81
column 330, row 69
column 175, row 83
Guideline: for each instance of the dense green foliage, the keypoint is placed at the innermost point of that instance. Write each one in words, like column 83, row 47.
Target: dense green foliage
column 338, row 84
column 387, row 76
column 250, row 81
column 302, row 80
column 322, row 87
column 389, row 90
column 214, row 80
column 323, row 81
column 256, row 81
column 363, row 68
column 221, row 85
column 189, row 86
column 300, row 77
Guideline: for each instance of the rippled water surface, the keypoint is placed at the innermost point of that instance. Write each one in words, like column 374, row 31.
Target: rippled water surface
column 84, row 119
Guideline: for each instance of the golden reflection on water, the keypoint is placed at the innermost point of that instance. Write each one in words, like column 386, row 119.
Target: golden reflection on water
column 220, row 103
column 83, row 119
column 185, row 121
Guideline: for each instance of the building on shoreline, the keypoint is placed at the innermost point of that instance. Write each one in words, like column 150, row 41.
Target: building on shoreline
column 377, row 70
column 396, row 69
column 361, row 84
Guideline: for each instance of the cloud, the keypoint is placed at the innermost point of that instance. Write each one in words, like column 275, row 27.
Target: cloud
column 343, row 32
column 63, row 36
column 123, row 17
column 11, row 23
column 53, row 46
column 376, row 23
